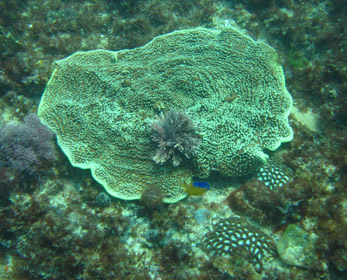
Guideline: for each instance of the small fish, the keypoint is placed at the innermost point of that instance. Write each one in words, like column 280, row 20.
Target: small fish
column 195, row 188
column 204, row 185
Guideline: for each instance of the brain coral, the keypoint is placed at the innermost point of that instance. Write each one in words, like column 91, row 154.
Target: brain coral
column 100, row 105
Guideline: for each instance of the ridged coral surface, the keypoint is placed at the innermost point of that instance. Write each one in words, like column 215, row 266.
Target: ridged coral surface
column 100, row 104
column 237, row 236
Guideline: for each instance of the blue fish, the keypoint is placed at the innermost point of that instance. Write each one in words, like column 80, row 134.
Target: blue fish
column 203, row 185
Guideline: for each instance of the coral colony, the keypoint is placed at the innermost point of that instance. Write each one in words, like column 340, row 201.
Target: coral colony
column 157, row 139
column 274, row 175
column 102, row 119
column 236, row 236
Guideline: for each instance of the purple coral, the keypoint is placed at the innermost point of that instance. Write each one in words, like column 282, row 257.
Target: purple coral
column 26, row 147
column 176, row 135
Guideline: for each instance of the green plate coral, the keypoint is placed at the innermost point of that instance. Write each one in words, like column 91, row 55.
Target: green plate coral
column 100, row 104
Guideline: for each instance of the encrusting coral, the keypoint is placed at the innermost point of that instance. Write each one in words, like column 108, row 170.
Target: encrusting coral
column 100, row 103
column 176, row 134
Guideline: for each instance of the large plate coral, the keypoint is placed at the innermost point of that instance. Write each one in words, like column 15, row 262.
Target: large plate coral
column 101, row 104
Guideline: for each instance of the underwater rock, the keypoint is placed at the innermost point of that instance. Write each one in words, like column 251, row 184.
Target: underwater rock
column 296, row 247
column 101, row 104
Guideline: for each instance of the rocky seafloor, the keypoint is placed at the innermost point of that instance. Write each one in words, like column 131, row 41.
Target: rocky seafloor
column 58, row 223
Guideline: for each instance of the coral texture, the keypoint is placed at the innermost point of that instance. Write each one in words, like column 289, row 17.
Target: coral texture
column 274, row 175
column 236, row 236
column 99, row 102
column 176, row 134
